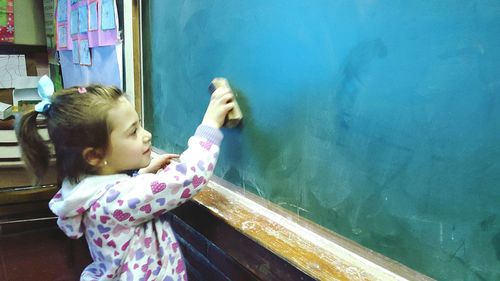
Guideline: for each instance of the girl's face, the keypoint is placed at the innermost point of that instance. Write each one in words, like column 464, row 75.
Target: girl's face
column 130, row 144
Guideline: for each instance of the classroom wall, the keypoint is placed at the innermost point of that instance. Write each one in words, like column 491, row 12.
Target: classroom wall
column 376, row 119
column 29, row 22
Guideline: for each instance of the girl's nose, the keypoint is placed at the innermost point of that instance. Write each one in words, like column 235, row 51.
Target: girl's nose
column 147, row 136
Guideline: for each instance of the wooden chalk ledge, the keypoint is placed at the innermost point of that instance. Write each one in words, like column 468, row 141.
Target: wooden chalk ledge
column 314, row 250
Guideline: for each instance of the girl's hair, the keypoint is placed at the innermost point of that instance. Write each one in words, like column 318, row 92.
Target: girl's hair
column 76, row 119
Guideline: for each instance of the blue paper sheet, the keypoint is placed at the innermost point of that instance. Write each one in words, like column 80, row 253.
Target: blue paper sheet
column 74, row 21
column 62, row 36
column 62, row 13
column 108, row 15
column 104, row 69
column 75, row 57
column 84, row 52
column 93, row 16
column 82, row 19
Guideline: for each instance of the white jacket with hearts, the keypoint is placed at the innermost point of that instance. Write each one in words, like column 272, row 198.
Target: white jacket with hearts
column 120, row 215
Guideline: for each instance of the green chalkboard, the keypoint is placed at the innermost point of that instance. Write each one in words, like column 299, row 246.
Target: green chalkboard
column 379, row 120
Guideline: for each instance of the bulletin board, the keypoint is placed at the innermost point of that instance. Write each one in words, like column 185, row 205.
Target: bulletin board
column 85, row 24
column 88, row 42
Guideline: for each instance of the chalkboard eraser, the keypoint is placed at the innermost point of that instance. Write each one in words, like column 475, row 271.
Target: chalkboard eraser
column 234, row 116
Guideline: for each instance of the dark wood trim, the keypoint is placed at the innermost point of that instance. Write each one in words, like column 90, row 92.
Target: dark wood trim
column 203, row 257
column 15, row 49
column 137, row 53
column 213, row 248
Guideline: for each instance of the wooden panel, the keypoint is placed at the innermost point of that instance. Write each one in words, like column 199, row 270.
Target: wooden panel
column 19, row 198
column 25, row 204
column 25, row 216
column 39, row 193
column 197, row 265
column 12, row 172
column 10, row 152
column 12, row 225
column 26, row 210
column 194, row 225
column 6, row 97
column 248, row 260
column 18, row 176
column 9, row 136
column 11, row 163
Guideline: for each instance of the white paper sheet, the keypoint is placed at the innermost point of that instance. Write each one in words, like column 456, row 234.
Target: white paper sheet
column 11, row 67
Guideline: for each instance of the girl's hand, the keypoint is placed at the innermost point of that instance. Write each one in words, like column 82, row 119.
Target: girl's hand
column 221, row 102
column 158, row 163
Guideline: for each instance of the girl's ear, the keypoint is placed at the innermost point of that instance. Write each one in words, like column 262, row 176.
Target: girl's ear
column 93, row 156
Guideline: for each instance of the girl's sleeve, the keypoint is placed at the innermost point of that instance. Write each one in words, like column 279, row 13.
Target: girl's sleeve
column 143, row 197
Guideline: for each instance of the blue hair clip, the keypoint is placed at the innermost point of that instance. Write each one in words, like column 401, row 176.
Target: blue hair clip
column 45, row 91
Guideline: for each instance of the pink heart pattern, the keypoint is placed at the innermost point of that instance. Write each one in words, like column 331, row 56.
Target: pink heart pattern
column 186, row 193
column 120, row 216
column 98, row 242
column 111, row 244
column 146, row 208
column 95, row 206
column 104, row 219
column 206, row 145
column 125, row 246
column 197, row 181
column 180, row 266
column 175, row 246
column 147, row 242
column 157, row 187
column 122, row 212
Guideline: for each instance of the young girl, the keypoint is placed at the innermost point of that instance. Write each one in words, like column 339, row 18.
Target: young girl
column 98, row 141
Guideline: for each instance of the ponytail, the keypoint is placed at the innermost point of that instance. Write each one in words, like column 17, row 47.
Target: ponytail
column 77, row 118
column 34, row 150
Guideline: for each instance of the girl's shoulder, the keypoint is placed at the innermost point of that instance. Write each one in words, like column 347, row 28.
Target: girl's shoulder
column 94, row 181
column 102, row 179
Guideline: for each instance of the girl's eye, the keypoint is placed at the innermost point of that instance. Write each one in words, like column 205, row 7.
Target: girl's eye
column 134, row 132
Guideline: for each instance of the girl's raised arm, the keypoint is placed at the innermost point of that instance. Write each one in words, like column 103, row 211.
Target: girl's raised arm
column 141, row 198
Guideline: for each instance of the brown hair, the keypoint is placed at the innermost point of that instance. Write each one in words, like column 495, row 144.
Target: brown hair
column 76, row 119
